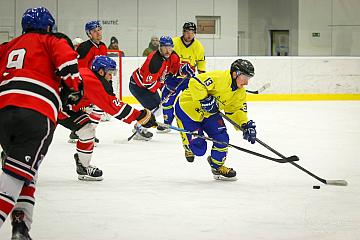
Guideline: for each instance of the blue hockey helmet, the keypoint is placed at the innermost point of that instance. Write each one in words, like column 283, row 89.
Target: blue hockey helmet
column 104, row 62
column 37, row 19
column 92, row 25
column 166, row 41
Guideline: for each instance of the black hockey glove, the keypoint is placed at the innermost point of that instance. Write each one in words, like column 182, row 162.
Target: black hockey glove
column 146, row 119
column 69, row 96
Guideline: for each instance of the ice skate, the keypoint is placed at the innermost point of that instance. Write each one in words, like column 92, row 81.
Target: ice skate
column 189, row 155
column 3, row 156
column 19, row 229
column 161, row 129
column 222, row 172
column 73, row 137
column 90, row 173
column 142, row 134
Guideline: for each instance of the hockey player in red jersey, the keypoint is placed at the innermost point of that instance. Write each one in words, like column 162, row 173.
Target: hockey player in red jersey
column 29, row 105
column 98, row 91
column 88, row 50
column 146, row 80
column 93, row 47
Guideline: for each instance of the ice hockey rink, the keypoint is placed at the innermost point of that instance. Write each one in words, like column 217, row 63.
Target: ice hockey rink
column 151, row 192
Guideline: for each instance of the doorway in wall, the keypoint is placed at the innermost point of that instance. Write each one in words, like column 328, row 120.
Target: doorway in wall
column 279, row 42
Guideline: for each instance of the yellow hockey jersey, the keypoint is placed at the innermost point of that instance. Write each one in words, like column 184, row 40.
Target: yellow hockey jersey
column 218, row 84
column 193, row 54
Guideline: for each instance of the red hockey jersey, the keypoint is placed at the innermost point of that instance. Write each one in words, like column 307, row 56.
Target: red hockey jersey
column 88, row 50
column 98, row 91
column 152, row 73
column 27, row 72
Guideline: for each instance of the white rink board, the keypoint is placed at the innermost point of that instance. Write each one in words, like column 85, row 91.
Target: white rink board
column 287, row 75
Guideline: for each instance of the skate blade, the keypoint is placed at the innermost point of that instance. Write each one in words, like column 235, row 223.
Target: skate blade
column 90, row 179
column 222, row 178
column 163, row 131
column 140, row 138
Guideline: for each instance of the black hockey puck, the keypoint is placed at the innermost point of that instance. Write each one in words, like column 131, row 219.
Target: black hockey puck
column 316, row 187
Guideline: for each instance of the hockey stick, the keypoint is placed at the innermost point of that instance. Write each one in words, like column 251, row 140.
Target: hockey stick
column 265, row 86
column 160, row 104
column 324, row 181
column 282, row 160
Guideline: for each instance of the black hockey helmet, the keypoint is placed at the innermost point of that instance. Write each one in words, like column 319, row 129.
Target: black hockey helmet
column 189, row 26
column 242, row 66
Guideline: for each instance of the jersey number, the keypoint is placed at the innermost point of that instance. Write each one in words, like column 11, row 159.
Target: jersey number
column 208, row 81
column 16, row 59
column 117, row 102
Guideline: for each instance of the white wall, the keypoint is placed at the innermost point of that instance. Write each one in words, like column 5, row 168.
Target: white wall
column 338, row 23
column 287, row 75
column 7, row 13
column 136, row 20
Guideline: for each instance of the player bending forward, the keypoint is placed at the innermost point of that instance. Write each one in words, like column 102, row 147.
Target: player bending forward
column 98, row 91
column 147, row 79
column 197, row 109
column 87, row 51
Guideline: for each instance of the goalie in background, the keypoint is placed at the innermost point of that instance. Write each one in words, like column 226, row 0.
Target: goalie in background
column 98, row 91
column 145, row 81
column 197, row 110
column 29, row 105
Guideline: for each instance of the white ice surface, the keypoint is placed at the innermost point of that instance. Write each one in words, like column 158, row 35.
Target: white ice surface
column 150, row 191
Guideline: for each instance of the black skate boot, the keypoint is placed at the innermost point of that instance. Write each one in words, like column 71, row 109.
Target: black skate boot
column 161, row 129
column 189, row 155
column 73, row 137
column 19, row 229
column 142, row 134
column 3, row 156
column 222, row 172
column 90, row 173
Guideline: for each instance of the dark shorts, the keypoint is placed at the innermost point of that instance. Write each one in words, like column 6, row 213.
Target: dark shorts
column 75, row 120
column 147, row 99
column 25, row 136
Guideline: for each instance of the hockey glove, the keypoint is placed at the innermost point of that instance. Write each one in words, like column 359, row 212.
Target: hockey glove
column 249, row 131
column 171, row 82
column 146, row 119
column 186, row 70
column 69, row 96
column 209, row 104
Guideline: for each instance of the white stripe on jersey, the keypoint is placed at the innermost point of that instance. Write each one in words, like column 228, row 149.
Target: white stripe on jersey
column 120, row 111
column 130, row 113
column 33, row 81
column 72, row 76
column 25, row 92
column 68, row 63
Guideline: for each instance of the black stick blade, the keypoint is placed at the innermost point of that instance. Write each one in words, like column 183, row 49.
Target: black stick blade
column 293, row 158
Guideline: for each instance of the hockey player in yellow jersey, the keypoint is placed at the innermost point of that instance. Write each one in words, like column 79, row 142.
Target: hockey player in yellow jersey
column 192, row 59
column 197, row 109
column 190, row 49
